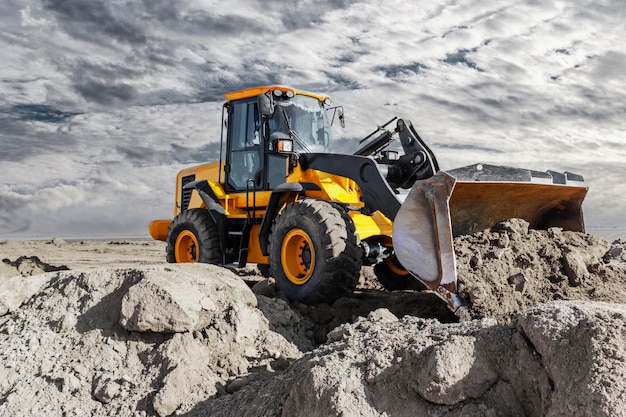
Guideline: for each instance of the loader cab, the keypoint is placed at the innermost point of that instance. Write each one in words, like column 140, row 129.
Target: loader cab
column 258, row 122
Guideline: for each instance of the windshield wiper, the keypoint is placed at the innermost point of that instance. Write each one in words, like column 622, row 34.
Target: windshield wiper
column 293, row 133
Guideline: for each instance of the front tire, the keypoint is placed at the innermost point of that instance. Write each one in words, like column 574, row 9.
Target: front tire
column 313, row 252
column 193, row 237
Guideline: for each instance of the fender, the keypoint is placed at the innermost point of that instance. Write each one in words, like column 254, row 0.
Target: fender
column 217, row 212
column 282, row 194
column 376, row 192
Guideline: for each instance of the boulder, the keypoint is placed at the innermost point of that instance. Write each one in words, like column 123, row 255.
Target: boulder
column 187, row 298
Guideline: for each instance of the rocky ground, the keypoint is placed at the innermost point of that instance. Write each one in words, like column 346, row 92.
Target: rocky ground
column 108, row 328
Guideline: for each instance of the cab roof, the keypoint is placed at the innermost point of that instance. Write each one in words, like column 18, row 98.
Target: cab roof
column 255, row 91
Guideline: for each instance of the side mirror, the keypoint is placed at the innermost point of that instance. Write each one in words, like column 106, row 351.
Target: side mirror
column 338, row 113
column 265, row 102
column 342, row 121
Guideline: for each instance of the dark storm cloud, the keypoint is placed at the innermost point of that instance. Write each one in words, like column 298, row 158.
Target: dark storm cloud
column 169, row 14
column 105, row 93
column 92, row 19
column 454, row 29
column 216, row 79
column 39, row 113
column 343, row 80
column 223, row 25
column 21, row 138
column 16, row 148
column 161, row 54
column 106, row 83
column 460, row 57
column 401, row 71
column 163, row 10
column 302, row 14
column 139, row 155
column 350, row 52
column 213, row 90
column 107, row 71
column 271, row 74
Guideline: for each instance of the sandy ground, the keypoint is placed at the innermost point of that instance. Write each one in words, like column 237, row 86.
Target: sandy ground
column 81, row 254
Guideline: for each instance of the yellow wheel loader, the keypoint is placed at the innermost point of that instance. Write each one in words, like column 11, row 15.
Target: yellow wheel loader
column 278, row 197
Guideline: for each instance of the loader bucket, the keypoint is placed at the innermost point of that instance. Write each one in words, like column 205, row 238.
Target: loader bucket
column 471, row 199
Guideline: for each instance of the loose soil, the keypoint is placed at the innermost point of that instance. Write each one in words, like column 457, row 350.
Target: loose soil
column 109, row 328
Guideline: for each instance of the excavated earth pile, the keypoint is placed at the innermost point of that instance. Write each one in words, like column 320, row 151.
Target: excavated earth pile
column 563, row 358
column 510, row 268
column 130, row 342
column 542, row 333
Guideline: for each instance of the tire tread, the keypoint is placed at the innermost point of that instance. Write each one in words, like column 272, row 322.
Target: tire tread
column 340, row 246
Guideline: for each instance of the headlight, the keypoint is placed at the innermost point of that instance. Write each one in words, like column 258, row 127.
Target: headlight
column 284, row 145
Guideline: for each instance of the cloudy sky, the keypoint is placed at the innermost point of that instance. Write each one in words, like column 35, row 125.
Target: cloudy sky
column 102, row 102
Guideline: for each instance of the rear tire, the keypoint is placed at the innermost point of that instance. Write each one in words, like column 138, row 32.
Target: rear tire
column 193, row 237
column 393, row 277
column 313, row 252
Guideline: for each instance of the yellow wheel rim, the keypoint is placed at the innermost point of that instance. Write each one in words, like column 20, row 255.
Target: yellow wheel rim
column 187, row 249
column 395, row 267
column 298, row 256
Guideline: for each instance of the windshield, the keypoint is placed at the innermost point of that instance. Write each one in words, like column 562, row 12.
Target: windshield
column 304, row 120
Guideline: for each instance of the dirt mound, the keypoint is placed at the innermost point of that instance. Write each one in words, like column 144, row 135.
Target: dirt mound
column 510, row 268
column 562, row 358
column 64, row 351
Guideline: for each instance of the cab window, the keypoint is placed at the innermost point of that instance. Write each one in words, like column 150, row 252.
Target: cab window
column 246, row 153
